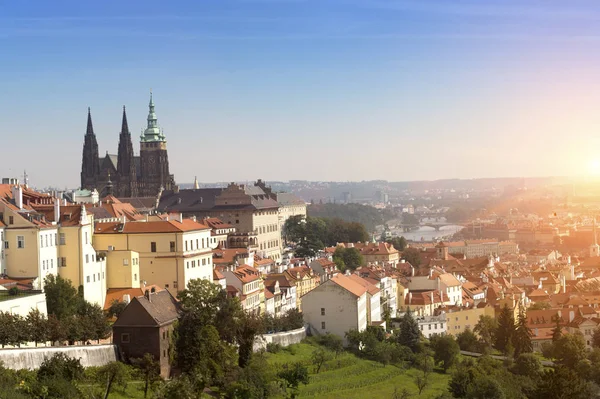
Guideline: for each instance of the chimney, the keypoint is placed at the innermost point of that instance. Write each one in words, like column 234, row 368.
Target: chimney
column 147, row 295
column 409, row 298
column 431, row 297
column 57, row 210
column 559, row 314
column 17, row 192
column 126, row 298
column 571, row 315
column 572, row 272
column 412, row 270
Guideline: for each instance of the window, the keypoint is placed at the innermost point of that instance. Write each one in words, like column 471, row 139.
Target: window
column 322, row 325
column 172, row 246
column 429, row 327
column 197, row 246
column 62, row 239
column 43, row 265
column 125, row 262
column 164, row 353
column 41, row 241
column 11, row 220
column 5, row 244
column 164, row 335
column 153, row 246
column 186, row 245
column 55, row 240
column 87, row 279
column 175, row 284
column 166, row 285
column 125, row 338
column 92, row 257
column 63, row 261
column 20, row 242
column 86, row 237
column 135, row 277
column 87, row 258
column 51, row 263
column 322, row 311
column 46, row 240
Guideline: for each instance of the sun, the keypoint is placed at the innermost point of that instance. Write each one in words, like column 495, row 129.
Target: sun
column 594, row 167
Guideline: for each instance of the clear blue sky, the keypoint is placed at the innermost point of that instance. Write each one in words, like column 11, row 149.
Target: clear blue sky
column 319, row 90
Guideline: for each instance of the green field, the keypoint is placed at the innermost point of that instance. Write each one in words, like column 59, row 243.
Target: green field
column 351, row 377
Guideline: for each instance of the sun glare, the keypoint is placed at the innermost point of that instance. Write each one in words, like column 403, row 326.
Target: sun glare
column 594, row 167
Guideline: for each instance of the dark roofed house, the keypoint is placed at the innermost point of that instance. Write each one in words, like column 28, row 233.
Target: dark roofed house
column 146, row 326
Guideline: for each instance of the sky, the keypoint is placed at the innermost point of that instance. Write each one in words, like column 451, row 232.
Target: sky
column 306, row 89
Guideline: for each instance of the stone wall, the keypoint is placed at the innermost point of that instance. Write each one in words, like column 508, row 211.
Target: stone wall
column 32, row 358
column 282, row 338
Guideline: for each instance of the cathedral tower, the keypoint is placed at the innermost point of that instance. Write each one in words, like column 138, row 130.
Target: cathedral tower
column 126, row 172
column 154, row 161
column 90, row 164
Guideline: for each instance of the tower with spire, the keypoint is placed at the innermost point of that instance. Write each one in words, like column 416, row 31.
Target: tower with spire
column 154, row 160
column 126, row 171
column 90, row 164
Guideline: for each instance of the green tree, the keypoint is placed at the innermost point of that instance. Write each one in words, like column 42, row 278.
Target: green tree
column 522, row 336
column 256, row 380
column 116, row 308
column 318, row 357
column 182, row 387
column 62, row 298
column 332, row 342
column 357, row 232
column 412, row 256
column 462, row 377
column 409, row 333
column 293, row 375
column 596, row 338
column 37, row 325
column 562, row 383
column 7, row 329
column 467, row 341
column 486, row 328
column 399, row 243
column 445, row 350
column 93, row 322
column 294, row 229
column 527, row 365
column 149, row 369
column 113, row 374
column 506, row 329
column 60, row 366
column 540, row 306
column 557, row 331
column 485, row 387
column 56, row 330
column 423, row 363
column 570, row 349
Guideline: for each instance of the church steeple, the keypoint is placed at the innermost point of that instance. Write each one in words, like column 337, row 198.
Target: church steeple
column 90, row 165
column 125, row 161
column 153, row 132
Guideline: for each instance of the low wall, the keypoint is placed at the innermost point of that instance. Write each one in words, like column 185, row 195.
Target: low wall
column 285, row 338
column 32, row 358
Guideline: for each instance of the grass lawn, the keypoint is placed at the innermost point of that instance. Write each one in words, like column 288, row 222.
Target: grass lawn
column 351, row 377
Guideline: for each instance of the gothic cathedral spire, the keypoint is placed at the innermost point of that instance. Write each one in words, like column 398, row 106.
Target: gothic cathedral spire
column 90, row 165
column 126, row 162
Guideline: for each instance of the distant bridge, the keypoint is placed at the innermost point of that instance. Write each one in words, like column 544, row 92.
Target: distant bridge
column 435, row 225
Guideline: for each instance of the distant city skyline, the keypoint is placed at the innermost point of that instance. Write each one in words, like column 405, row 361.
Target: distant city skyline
column 340, row 90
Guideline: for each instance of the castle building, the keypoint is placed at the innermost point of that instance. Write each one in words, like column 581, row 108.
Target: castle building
column 124, row 174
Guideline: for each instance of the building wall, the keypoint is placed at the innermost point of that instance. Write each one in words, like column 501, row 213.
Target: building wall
column 142, row 340
column 22, row 305
column 459, row 321
column 2, row 255
column 123, row 269
column 32, row 358
column 343, row 311
column 170, row 270
column 78, row 262
column 287, row 211
column 266, row 223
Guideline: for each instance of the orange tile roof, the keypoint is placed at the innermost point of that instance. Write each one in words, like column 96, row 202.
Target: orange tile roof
column 349, row 285
column 246, row 273
column 163, row 226
column 371, row 288
column 116, row 294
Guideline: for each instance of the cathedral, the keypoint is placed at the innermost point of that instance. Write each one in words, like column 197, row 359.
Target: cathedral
column 124, row 174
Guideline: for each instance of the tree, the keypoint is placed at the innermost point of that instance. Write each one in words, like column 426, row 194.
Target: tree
column 485, row 387
column 570, row 349
column 293, row 375
column 357, row 232
column 37, row 325
column 522, row 336
column 527, row 365
column 256, row 380
column 409, row 333
column 293, row 229
column 318, row 357
column 113, row 373
column 561, row 382
column 557, row 330
column 249, row 327
column 7, row 330
column 332, row 342
column 149, row 369
column 462, row 378
column 62, row 298
column 506, row 328
column 94, row 324
column 596, row 338
column 467, row 341
column 178, row 388
column 540, row 306
column 486, row 328
column 445, row 350
column 56, row 330
column 398, row 242
column 424, row 364
column 412, row 256
column 347, row 258
column 60, row 366
column 116, row 308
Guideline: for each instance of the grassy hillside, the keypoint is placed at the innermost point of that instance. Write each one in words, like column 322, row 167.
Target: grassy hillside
column 351, row 377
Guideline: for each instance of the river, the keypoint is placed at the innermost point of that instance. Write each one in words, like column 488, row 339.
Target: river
column 425, row 233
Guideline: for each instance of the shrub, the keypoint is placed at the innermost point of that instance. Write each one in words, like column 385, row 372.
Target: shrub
column 273, row 347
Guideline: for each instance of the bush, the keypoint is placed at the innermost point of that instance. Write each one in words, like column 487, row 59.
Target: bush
column 273, row 347
column 331, row 342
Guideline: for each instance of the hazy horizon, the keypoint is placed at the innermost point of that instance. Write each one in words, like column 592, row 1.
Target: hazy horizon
column 307, row 90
